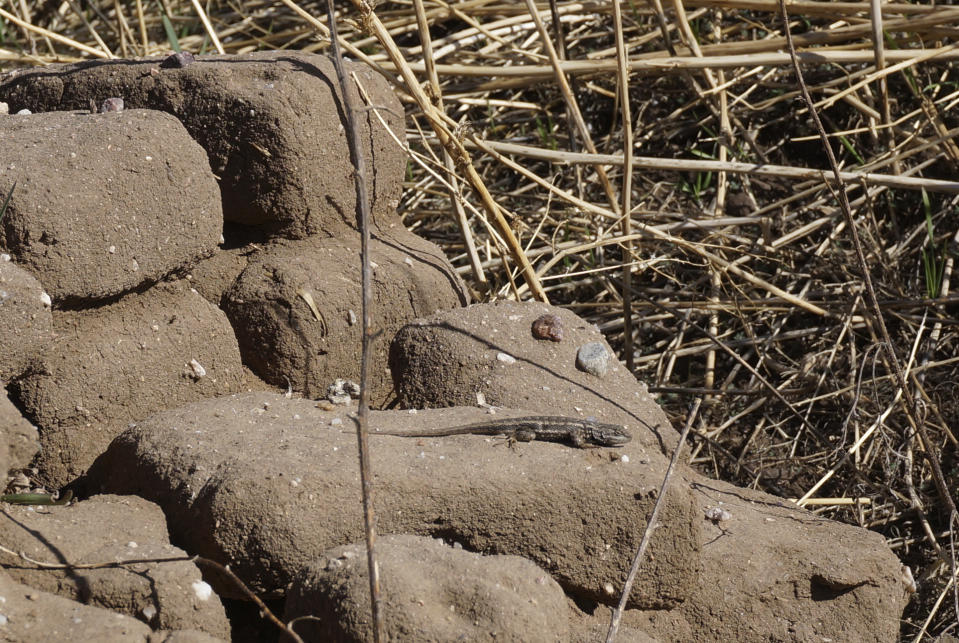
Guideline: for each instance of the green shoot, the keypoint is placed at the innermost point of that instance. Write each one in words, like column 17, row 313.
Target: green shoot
column 545, row 129
column 849, row 148
column 933, row 262
column 170, row 33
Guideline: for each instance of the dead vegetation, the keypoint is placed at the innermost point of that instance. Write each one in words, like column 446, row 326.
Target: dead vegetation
column 735, row 261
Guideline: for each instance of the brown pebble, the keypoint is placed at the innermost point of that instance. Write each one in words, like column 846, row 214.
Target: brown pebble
column 112, row 105
column 548, row 327
column 178, row 60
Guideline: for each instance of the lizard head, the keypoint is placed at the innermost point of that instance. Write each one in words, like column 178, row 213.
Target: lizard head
column 611, row 435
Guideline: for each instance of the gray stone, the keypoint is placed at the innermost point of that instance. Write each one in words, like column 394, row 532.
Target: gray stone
column 33, row 616
column 593, row 358
column 452, row 358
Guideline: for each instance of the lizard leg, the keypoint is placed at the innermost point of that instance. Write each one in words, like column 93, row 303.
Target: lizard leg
column 524, row 435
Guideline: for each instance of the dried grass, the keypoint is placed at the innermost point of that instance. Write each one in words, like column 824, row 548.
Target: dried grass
column 744, row 289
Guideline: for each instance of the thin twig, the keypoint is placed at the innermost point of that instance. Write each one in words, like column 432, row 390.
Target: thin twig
column 211, row 32
column 733, row 167
column 650, row 526
column 622, row 77
column 362, row 419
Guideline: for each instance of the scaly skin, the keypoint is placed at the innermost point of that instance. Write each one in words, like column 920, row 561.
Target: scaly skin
column 573, row 431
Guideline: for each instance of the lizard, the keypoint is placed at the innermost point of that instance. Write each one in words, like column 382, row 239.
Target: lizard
column 576, row 432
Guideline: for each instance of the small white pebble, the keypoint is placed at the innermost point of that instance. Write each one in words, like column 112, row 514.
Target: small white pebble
column 718, row 514
column 624, row 458
column 149, row 158
column 202, row 590
column 336, row 422
column 4, row 257
column 907, row 579
column 45, row 299
column 149, row 612
column 112, row 250
column 609, row 589
column 506, row 359
column 24, row 112
column 408, row 262
column 132, row 544
column 3, row 619
column 198, row 370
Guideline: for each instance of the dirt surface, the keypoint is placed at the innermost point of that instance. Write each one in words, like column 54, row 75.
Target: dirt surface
column 146, row 382
column 489, row 354
column 124, row 199
column 296, row 310
column 432, row 593
column 137, row 529
column 111, row 365
column 34, row 616
column 576, row 512
column 21, row 440
column 25, row 317
column 269, row 122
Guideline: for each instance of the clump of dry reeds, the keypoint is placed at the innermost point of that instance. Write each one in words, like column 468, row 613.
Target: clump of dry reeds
column 732, row 279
